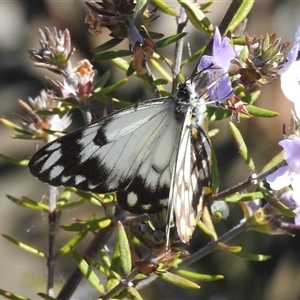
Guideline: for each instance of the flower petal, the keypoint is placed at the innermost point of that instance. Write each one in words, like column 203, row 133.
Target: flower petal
column 279, row 179
column 290, row 85
column 291, row 148
column 287, row 199
column 292, row 55
column 297, row 219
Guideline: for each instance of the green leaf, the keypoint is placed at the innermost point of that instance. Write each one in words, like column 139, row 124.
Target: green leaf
column 69, row 205
column 261, row 112
column 241, row 14
column 105, row 260
column 244, row 197
column 112, row 55
column 133, row 294
column 95, row 199
column 116, row 259
column 242, row 146
column 75, row 240
column 214, row 172
column 55, row 111
column 16, row 161
column 169, row 40
column 12, row 296
column 196, row 16
column 112, row 87
column 108, row 45
column 64, row 197
column 230, row 249
column 101, row 82
column 104, row 270
column 124, row 248
column 177, row 280
column 25, row 247
column 250, row 98
column 14, row 126
column 277, row 159
column 206, row 224
column 45, row 296
column 164, row 7
column 90, row 225
column 160, row 81
column 87, row 272
column 277, row 204
column 29, row 203
column 216, row 114
column 200, row 277
column 252, row 256
column 121, row 63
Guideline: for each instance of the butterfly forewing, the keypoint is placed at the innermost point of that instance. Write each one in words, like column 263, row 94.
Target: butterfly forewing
column 131, row 151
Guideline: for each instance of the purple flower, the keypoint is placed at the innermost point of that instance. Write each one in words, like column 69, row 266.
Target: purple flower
column 292, row 55
column 292, row 200
column 290, row 75
column 290, row 174
column 290, row 85
column 217, row 67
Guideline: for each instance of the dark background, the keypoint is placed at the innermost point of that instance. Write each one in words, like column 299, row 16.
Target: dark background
column 21, row 272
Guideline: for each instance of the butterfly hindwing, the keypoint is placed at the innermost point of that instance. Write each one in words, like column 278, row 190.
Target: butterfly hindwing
column 191, row 179
column 131, row 151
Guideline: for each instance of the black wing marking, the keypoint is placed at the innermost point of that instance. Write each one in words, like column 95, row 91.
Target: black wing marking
column 130, row 151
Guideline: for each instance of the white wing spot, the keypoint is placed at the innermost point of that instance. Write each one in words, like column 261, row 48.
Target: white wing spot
column 79, row 178
column 194, row 180
column 53, row 146
column 146, row 206
column 182, row 225
column 164, row 202
column 65, row 178
column 132, row 199
column 56, row 171
column 51, row 160
column 92, row 186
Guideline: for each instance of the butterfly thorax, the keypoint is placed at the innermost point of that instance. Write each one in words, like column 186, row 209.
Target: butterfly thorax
column 188, row 98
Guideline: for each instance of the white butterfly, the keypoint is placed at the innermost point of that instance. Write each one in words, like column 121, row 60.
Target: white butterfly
column 153, row 155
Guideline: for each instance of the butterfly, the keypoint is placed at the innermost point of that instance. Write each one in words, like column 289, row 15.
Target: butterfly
column 154, row 155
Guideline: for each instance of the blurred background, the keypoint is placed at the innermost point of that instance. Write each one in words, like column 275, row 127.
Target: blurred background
column 23, row 273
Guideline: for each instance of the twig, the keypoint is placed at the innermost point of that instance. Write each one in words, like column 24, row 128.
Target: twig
column 52, row 224
column 242, row 185
column 213, row 245
column 181, row 23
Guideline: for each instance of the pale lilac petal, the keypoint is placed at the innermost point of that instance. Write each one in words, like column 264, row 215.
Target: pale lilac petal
column 291, row 148
column 279, row 179
column 253, row 206
column 297, row 219
column 290, row 85
column 206, row 61
column 222, row 90
column 217, row 66
column 217, row 39
column 292, row 55
column 287, row 199
column 224, row 54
